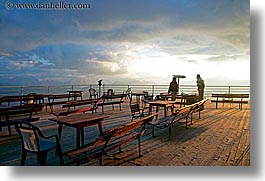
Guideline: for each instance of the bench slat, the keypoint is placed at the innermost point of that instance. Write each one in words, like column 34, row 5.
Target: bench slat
column 110, row 140
column 181, row 113
column 230, row 98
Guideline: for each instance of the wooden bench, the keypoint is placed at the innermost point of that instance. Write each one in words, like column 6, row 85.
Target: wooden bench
column 22, row 99
column 13, row 114
column 80, row 106
column 110, row 140
column 230, row 98
column 58, row 99
column 9, row 99
column 198, row 107
column 112, row 100
column 184, row 99
column 181, row 113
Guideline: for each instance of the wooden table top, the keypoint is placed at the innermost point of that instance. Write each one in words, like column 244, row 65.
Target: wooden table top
column 75, row 91
column 162, row 103
column 78, row 119
column 138, row 93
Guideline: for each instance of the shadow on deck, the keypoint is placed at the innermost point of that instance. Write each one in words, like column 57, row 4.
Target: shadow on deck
column 220, row 138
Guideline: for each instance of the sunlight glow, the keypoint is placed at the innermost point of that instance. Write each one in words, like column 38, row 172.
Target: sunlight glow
column 162, row 65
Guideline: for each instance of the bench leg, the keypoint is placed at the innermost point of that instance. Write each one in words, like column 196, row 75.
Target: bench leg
column 139, row 146
column 82, row 137
column 187, row 122
column 9, row 130
column 169, row 132
column 101, row 160
column 240, row 106
column 100, row 128
column 60, row 130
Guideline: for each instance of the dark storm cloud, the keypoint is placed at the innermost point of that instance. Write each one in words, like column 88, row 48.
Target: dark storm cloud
column 94, row 41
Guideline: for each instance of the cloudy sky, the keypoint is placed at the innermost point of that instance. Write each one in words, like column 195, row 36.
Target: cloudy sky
column 127, row 42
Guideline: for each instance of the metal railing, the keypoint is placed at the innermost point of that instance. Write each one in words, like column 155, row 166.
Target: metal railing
column 118, row 88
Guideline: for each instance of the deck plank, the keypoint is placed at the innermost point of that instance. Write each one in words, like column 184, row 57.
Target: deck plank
column 220, row 138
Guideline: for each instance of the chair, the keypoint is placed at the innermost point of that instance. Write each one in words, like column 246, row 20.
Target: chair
column 148, row 98
column 161, row 97
column 110, row 92
column 138, row 112
column 127, row 93
column 34, row 141
column 92, row 93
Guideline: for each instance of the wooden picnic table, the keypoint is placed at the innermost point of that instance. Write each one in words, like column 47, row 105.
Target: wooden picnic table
column 164, row 104
column 79, row 121
column 183, row 99
column 76, row 94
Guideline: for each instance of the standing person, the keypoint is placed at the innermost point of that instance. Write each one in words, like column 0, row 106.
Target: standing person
column 173, row 88
column 200, row 85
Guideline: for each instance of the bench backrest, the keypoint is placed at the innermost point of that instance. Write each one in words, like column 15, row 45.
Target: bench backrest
column 190, row 108
column 123, row 130
column 184, row 110
column 118, row 131
column 114, row 96
column 60, row 96
column 197, row 106
column 23, row 111
column 79, row 103
column 21, row 99
column 9, row 99
column 231, row 95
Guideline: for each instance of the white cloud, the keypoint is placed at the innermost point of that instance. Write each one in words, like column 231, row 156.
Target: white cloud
column 124, row 39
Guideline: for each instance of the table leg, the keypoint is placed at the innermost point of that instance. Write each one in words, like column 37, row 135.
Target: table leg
column 60, row 130
column 100, row 127
column 172, row 109
column 181, row 100
column 165, row 111
column 150, row 110
column 157, row 109
column 78, row 132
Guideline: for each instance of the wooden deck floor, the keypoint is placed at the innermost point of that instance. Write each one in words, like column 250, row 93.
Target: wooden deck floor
column 220, row 138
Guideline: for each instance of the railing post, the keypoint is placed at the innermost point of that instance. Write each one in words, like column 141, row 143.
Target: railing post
column 49, row 89
column 229, row 89
column 153, row 89
column 21, row 91
column 103, row 89
column 72, row 87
